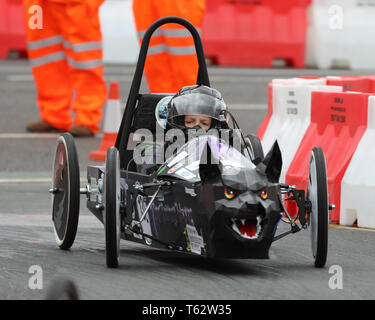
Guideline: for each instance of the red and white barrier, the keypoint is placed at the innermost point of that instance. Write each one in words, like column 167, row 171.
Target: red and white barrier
column 12, row 27
column 372, row 83
column 291, row 119
column 358, row 184
column 287, row 81
column 352, row 83
column 254, row 33
column 340, row 34
column 338, row 122
column 303, row 80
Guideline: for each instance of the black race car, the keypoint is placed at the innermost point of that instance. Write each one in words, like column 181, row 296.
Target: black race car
column 227, row 207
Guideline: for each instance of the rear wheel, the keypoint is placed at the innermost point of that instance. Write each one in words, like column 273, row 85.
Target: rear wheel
column 112, row 207
column 317, row 194
column 65, row 191
column 254, row 145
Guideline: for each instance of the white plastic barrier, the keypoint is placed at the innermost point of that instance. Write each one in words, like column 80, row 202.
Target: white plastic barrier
column 290, row 120
column 269, row 132
column 300, row 81
column 120, row 44
column 269, row 135
column 341, row 33
column 358, row 183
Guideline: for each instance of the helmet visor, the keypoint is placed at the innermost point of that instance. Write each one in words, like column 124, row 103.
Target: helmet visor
column 197, row 104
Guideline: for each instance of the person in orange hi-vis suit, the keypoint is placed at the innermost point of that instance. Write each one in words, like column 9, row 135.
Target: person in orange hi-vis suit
column 171, row 60
column 66, row 60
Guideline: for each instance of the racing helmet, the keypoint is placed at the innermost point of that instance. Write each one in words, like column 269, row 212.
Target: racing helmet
column 196, row 100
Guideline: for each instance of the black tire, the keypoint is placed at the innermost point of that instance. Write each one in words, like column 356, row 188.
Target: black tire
column 317, row 194
column 62, row 289
column 111, row 213
column 255, row 147
column 66, row 193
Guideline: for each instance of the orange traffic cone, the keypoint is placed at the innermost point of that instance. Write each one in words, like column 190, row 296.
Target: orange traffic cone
column 112, row 122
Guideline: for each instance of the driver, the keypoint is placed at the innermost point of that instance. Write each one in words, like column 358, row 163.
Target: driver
column 193, row 107
column 194, row 120
column 198, row 107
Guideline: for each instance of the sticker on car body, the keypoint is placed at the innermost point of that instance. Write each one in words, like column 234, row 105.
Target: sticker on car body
column 196, row 242
column 175, row 167
column 185, row 174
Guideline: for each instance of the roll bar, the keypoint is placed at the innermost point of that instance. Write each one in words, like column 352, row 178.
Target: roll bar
column 202, row 77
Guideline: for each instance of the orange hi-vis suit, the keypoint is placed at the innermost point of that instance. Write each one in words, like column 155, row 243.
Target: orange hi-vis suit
column 171, row 59
column 66, row 60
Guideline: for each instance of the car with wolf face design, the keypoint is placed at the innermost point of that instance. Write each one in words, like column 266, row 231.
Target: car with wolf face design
column 208, row 198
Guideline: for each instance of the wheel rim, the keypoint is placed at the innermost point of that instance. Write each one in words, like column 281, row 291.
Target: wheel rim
column 118, row 220
column 60, row 200
column 65, row 196
column 318, row 195
column 313, row 197
column 254, row 146
column 112, row 208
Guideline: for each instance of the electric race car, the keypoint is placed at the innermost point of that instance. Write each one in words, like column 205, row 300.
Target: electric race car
column 228, row 207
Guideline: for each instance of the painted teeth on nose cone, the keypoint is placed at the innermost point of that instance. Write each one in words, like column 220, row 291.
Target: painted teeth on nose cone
column 247, row 228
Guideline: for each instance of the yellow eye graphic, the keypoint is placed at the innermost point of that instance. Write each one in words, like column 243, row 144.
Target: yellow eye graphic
column 229, row 194
column 264, row 194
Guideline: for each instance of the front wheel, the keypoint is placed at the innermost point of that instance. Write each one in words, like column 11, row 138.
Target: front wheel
column 112, row 207
column 65, row 191
column 317, row 194
column 254, row 145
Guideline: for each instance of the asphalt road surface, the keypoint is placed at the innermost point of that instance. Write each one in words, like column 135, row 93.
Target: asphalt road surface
column 28, row 248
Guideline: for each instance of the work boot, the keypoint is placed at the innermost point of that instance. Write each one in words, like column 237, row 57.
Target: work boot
column 41, row 126
column 81, row 131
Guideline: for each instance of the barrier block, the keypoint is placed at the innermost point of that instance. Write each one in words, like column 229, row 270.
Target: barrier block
column 358, row 184
column 12, row 27
column 371, row 80
column 338, row 122
column 292, row 109
column 302, row 80
column 288, row 81
column 351, row 83
column 340, row 34
column 310, row 77
column 255, row 33
column 120, row 43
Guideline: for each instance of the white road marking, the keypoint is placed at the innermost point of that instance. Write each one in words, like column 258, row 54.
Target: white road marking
column 32, row 180
column 20, row 77
column 43, row 220
column 29, row 135
column 35, row 177
column 37, row 135
column 25, row 181
column 218, row 78
column 23, row 66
